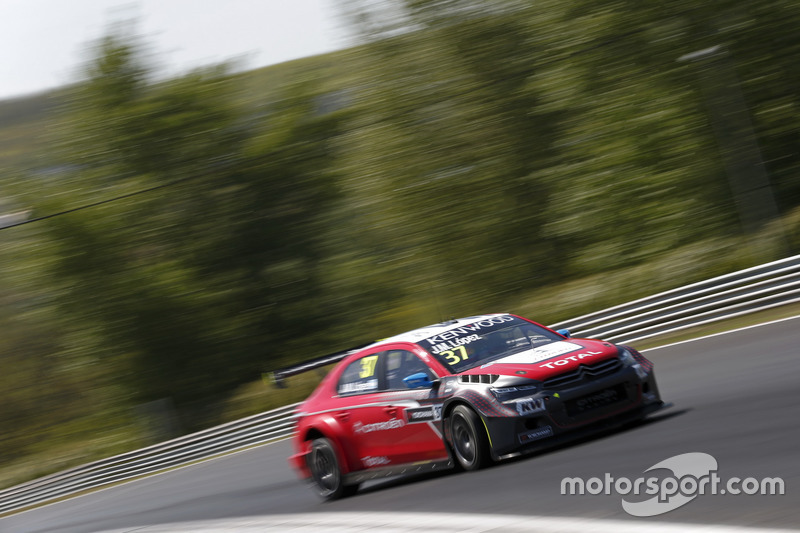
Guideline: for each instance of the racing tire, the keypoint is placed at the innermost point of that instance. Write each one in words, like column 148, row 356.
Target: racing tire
column 468, row 441
column 326, row 473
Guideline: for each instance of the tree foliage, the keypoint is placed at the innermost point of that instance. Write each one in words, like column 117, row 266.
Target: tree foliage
column 196, row 285
column 582, row 120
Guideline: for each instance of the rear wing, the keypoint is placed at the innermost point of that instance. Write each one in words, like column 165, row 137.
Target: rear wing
column 278, row 376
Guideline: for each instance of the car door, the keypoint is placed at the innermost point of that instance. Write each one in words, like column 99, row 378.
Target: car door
column 367, row 423
column 419, row 438
column 384, row 421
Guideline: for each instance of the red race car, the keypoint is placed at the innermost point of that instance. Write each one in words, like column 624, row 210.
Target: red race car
column 463, row 393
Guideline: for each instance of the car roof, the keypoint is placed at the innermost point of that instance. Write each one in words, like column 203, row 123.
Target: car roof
column 416, row 335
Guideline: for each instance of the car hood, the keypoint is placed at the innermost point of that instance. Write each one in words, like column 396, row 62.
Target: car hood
column 549, row 359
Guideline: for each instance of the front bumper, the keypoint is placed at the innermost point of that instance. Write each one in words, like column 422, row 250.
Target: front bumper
column 299, row 461
column 576, row 411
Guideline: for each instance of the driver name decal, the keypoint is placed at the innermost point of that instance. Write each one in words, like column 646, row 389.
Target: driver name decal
column 454, row 343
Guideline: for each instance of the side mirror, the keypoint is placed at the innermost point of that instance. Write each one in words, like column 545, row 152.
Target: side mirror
column 417, row 381
column 564, row 332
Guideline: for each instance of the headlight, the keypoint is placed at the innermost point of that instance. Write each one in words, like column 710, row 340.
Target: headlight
column 625, row 356
column 508, row 393
column 628, row 360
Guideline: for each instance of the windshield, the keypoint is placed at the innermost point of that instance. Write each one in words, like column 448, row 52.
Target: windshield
column 480, row 342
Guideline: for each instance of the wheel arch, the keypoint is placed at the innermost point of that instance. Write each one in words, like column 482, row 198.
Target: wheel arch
column 447, row 410
column 313, row 433
column 327, row 428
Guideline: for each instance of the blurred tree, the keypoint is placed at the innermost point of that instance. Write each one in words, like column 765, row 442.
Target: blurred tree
column 199, row 285
column 37, row 393
column 453, row 158
column 540, row 141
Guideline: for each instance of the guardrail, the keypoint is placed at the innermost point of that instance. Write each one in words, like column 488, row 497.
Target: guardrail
column 257, row 429
column 745, row 291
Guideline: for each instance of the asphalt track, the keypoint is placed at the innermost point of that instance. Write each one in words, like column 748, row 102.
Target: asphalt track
column 736, row 396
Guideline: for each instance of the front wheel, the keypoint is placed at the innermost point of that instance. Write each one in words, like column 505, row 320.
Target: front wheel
column 469, row 441
column 325, row 471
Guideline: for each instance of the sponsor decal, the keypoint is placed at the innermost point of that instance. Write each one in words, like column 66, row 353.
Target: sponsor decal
column 676, row 481
column 600, row 399
column 424, row 414
column 468, row 329
column 541, row 353
column 527, row 406
column 536, row 434
column 370, row 461
column 359, row 386
column 361, row 428
column 566, row 360
column 596, row 400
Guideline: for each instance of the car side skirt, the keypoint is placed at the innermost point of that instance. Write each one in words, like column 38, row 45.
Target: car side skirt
column 397, row 470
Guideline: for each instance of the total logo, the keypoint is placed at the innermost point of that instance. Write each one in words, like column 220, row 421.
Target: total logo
column 566, row 360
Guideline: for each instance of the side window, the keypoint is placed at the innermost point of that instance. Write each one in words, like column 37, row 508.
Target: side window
column 360, row 376
column 400, row 364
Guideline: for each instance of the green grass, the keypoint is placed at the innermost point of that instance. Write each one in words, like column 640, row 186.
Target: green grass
column 260, row 396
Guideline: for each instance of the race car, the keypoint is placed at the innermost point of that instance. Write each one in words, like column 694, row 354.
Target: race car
column 463, row 393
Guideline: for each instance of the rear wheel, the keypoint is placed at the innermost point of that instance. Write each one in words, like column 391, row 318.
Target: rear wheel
column 326, row 472
column 469, row 441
